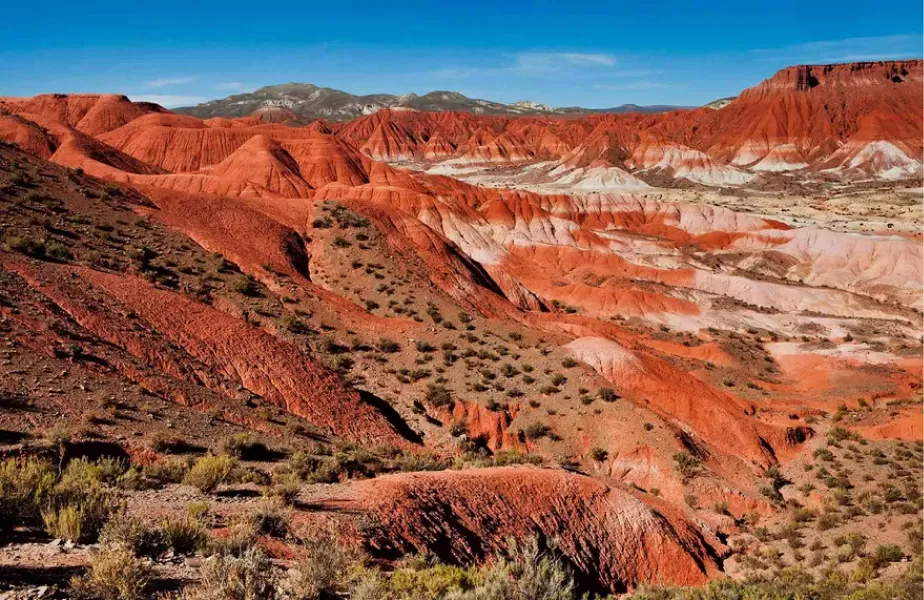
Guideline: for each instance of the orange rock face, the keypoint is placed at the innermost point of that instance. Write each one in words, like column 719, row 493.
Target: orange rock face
column 607, row 535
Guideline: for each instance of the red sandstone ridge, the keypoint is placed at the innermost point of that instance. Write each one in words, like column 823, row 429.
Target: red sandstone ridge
column 608, row 535
column 850, row 120
column 89, row 113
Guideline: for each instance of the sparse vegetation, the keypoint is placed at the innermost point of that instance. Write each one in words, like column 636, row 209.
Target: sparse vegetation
column 209, row 472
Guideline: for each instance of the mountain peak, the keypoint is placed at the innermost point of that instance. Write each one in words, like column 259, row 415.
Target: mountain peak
column 309, row 102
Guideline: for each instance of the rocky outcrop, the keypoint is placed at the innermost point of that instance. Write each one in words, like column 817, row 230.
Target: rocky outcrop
column 609, row 536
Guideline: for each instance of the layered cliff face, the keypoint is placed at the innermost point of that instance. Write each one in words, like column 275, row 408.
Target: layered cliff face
column 853, row 121
column 575, row 299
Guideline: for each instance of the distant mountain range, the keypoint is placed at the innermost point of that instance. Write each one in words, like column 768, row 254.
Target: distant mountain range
column 304, row 101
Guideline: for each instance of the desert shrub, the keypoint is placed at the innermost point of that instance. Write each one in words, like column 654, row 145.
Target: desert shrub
column 525, row 572
column 234, row 577
column 888, row 553
column 688, row 466
column 827, row 521
column 515, row 457
column 134, row 479
column 24, row 485
column 536, row 431
column 183, row 536
column 607, row 394
column 82, row 473
column 431, row 580
column 438, row 395
column 78, row 506
column 389, row 346
column 132, row 533
column 166, row 471
column 294, row 325
column 209, row 472
column 115, row 574
column 243, row 445
column 326, row 569
column 418, row 462
column 598, row 454
column 424, row 346
column 246, row 286
column 270, row 521
column 284, row 488
column 802, row 515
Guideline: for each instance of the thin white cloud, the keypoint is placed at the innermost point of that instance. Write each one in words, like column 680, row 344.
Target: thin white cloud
column 846, row 50
column 538, row 64
column 168, row 81
column 169, row 100
column 636, row 85
column 230, row 86
column 543, row 62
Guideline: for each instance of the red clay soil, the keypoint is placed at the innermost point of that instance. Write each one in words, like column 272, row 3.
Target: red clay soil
column 607, row 534
column 262, row 363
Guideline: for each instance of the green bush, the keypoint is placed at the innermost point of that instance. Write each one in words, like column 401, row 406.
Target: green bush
column 78, row 516
column 438, row 395
column 243, row 445
column 24, row 485
column 688, row 466
column 888, row 554
column 166, row 471
column 210, row 471
column 183, row 536
column 536, row 431
column 246, row 286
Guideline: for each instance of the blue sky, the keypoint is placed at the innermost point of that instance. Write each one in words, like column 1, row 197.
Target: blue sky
column 593, row 54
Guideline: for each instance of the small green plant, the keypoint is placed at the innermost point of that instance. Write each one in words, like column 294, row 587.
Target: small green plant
column 183, row 536
column 688, row 466
column 247, row 286
column 209, row 472
column 536, row 431
column 607, row 394
column 438, row 395
column 243, row 445
column 389, row 346
column 24, row 485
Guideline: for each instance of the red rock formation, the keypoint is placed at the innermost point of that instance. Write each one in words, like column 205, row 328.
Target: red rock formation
column 261, row 362
column 88, row 113
column 607, row 534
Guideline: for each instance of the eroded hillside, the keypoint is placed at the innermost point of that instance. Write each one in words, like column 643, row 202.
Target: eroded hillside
column 620, row 301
